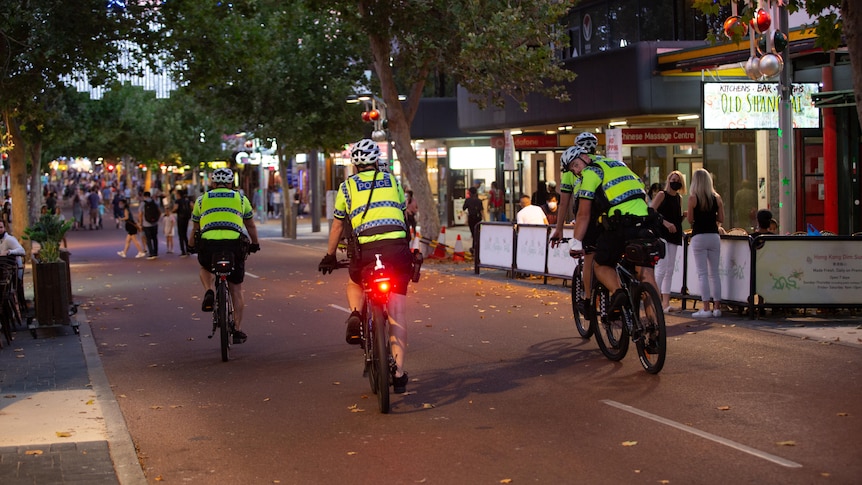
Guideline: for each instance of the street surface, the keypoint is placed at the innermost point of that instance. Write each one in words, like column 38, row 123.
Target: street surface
column 502, row 388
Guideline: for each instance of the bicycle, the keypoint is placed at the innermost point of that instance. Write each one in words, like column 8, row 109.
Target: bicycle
column 223, row 322
column 10, row 307
column 379, row 363
column 642, row 316
column 584, row 325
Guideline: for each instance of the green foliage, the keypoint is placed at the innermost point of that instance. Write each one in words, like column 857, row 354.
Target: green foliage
column 48, row 231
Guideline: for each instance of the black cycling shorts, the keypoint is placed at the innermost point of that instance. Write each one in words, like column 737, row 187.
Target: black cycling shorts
column 394, row 253
column 208, row 248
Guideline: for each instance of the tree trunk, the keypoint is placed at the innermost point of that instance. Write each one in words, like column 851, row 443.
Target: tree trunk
column 18, row 177
column 399, row 128
column 851, row 15
column 288, row 218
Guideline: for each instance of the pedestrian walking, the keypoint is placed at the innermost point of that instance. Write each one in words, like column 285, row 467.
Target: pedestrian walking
column 495, row 203
column 184, row 215
column 94, row 200
column 705, row 214
column 170, row 229
column 475, row 213
column 668, row 203
column 132, row 228
column 78, row 210
column 410, row 212
column 149, row 216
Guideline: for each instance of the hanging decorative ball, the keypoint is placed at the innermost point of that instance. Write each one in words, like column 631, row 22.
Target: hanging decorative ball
column 366, row 116
column 752, row 68
column 735, row 25
column 771, row 65
column 779, row 41
column 761, row 44
column 761, row 21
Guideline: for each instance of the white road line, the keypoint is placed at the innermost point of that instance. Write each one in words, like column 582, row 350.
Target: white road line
column 337, row 307
column 703, row 434
column 251, row 275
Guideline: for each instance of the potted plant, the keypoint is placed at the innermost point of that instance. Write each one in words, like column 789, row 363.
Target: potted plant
column 52, row 287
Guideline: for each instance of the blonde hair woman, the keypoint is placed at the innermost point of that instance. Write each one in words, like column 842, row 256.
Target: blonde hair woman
column 668, row 203
column 705, row 214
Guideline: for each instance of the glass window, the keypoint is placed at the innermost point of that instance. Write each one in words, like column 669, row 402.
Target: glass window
column 731, row 158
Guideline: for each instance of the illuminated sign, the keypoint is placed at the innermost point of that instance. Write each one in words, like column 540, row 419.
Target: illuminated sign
column 680, row 135
column 754, row 106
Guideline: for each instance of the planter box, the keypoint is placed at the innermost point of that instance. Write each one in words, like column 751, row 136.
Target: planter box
column 51, row 293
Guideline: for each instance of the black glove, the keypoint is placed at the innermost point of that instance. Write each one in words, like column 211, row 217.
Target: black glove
column 253, row 247
column 192, row 249
column 327, row 264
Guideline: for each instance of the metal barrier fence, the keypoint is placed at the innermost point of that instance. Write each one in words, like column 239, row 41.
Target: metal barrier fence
column 756, row 272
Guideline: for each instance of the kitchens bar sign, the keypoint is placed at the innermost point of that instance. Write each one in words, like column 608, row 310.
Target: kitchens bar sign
column 754, row 106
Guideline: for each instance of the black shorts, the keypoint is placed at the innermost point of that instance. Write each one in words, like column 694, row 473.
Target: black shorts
column 591, row 237
column 612, row 242
column 394, row 253
column 209, row 248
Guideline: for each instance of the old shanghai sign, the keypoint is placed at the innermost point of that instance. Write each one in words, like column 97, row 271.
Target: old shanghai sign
column 754, row 106
column 680, row 135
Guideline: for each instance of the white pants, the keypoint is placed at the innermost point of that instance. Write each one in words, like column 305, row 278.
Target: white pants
column 664, row 268
column 706, row 249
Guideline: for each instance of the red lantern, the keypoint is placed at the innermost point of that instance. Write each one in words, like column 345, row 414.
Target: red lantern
column 735, row 25
column 761, row 21
column 374, row 114
column 366, row 116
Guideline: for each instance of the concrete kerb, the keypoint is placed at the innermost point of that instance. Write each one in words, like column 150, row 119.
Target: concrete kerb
column 120, row 444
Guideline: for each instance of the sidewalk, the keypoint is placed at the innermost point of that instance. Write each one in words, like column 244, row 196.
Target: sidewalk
column 60, row 422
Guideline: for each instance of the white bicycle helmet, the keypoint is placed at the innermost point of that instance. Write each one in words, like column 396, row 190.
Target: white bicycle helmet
column 570, row 154
column 223, row 176
column 587, row 141
column 365, row 152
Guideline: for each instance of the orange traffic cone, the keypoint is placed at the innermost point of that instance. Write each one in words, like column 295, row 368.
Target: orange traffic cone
column 458, row 255
column 440, row 249
column 416, row 243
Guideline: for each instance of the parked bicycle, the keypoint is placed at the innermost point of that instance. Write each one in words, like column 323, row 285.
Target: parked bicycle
column 11, row 309
column 641, row 318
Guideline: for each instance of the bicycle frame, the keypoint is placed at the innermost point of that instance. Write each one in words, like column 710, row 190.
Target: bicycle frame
column 223, row 321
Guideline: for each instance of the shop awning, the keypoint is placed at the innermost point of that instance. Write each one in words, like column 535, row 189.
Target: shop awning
column 834, row 99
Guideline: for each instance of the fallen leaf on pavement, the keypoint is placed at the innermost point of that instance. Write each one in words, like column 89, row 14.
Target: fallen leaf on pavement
column 33, row 452
column 629, row 443
column 723, row 408
column 786, row 443
column 63, row 434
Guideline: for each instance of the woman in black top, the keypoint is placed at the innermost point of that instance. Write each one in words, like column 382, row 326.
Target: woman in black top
column 668, row 203
column 705, row 213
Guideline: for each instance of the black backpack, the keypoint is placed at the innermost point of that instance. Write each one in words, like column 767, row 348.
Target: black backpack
column 151, row 211
column 184, row 208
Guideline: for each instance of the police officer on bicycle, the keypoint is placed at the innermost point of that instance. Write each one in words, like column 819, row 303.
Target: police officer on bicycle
column 223, row 220
column 620, row 198
column 372, row 203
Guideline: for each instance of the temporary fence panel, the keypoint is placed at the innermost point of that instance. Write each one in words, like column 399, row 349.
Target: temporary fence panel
column 560, row 263
column 733, row 268
column 809, row 271
column 496, row 245
column 532, row 248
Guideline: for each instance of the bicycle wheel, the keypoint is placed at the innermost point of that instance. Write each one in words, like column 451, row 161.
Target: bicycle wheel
column 380, row 358
column 649, row 319
column 612, row 336
column 222, row 300
column 582, row 323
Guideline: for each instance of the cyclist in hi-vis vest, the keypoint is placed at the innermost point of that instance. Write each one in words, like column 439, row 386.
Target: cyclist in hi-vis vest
column 570, row 186
column 373, row 204
column 223, row 216
column 625, row 214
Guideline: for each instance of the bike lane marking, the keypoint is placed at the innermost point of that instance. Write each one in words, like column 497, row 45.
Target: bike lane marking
column 703, row 434
column 338, row 307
